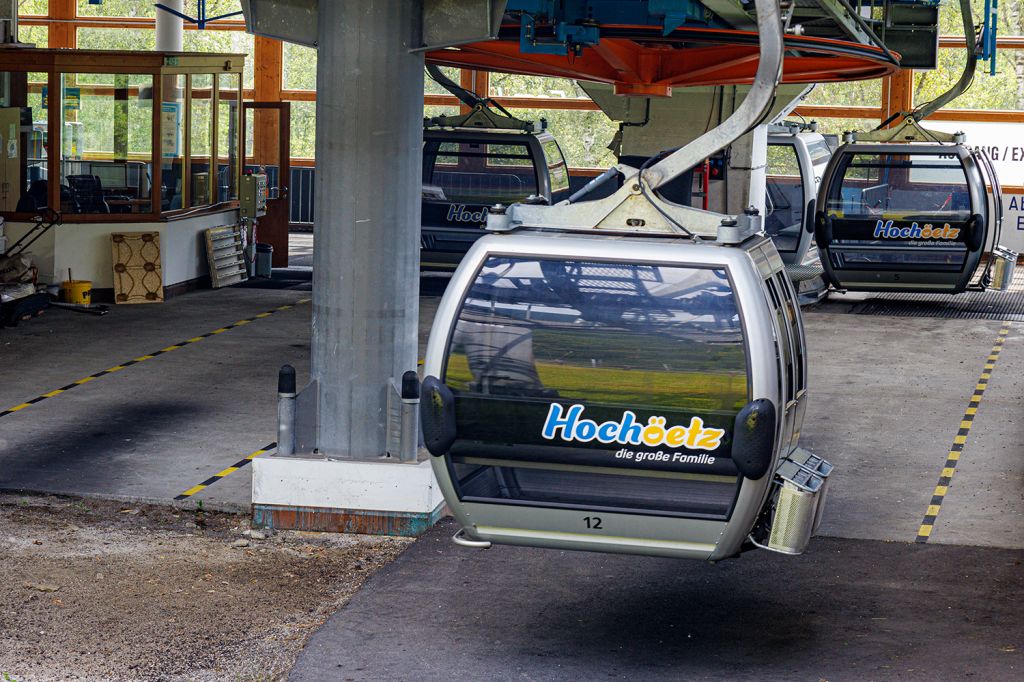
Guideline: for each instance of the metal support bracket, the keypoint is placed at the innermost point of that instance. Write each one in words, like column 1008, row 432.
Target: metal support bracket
column 636, row 207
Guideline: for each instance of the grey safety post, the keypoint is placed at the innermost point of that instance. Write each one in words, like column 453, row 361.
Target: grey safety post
column 367, row 231
column 410, row 438
column 286, row 410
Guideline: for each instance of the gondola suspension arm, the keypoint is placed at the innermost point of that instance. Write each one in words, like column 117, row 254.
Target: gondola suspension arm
column 910, row 130
column 636, row 207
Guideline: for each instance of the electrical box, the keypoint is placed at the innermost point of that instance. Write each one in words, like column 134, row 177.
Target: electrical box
column 252, row 196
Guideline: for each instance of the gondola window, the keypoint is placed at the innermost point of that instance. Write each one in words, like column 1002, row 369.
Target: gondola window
column 542, row 342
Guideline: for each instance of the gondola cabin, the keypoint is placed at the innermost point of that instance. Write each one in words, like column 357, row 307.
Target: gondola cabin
column 637, row 394
column 466, row 170
column 907, row 217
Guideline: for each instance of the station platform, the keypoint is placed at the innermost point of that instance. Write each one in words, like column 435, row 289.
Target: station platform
column 846, row 610
column 162, row 404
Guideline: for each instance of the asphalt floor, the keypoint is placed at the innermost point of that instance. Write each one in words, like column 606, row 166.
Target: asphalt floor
column 888, row 398
column 846, row 610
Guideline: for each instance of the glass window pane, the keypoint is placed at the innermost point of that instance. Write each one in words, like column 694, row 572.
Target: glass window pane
column 557, row 168
column 234, row 42
column 23, row 184
column 480, row 173
column 901, row 187
column 33, row 8
column 837, row 126
column 116, row 38
column 431, row 111
column 1001, row 91
column 303, row 130
column 643, row 336
column 784, row 197
column 515, row 85
column 116, row 8
column 106, row 143
column 34, row 188
column 847, row 94
column 172, row 147
column 34, row 35
column 228, row 121
column 431, row 87
column 201, row 135
column 299, row 67
column 583, row 135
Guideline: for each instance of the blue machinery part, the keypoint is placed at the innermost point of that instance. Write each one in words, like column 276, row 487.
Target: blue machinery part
column 570, row 25
column 990, row 27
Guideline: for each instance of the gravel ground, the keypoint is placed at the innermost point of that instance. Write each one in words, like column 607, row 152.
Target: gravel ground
column 99, row 590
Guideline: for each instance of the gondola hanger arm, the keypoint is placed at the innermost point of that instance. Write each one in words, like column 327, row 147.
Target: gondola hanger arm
column 635, row 207
column 910, row 129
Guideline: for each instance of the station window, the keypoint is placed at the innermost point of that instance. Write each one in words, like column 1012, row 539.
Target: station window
column 105, row 145
column 584, row 135
column 172, row 143
column 227, row 136
column 303, row 130
column 298, row 67
column 91, row 38
column 34, row 35
column 201, row 139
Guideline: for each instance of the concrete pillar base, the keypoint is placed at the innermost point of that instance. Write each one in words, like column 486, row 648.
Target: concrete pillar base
column 379, row 498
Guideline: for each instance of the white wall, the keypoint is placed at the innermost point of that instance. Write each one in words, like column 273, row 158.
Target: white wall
column 85, row 248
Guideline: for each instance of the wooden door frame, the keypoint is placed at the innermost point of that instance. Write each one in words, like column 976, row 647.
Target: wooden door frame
column 277, row 237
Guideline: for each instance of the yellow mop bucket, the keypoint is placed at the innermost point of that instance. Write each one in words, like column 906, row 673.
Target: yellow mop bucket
column 77, row 291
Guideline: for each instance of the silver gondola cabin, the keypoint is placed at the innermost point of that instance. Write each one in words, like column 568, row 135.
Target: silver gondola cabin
column 627, row 374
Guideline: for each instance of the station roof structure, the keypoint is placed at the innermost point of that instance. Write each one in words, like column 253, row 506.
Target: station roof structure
column 647, row 47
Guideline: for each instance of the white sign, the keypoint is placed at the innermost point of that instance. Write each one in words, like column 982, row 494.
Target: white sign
column 1003, row 142
column 1013, row 222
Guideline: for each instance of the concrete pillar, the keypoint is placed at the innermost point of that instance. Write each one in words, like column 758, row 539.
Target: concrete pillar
column 365, row 286
column 169, row 28
column 366, row 262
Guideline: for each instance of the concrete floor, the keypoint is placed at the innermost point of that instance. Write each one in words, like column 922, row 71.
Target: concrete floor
column 887, row 398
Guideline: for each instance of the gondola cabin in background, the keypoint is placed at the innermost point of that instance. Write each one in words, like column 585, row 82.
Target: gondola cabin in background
column 907, row 217
column 638, row 394
column 468, row 169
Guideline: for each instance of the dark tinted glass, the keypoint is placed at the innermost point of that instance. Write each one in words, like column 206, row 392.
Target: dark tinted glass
column 784, row 197
column 479, row 172
column 641, row 336
column 902, row 187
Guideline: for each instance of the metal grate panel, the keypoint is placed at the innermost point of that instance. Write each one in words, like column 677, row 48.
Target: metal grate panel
column 986, row 305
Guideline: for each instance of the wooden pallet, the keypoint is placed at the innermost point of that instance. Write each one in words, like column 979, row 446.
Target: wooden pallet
column 137, row 272
column 224, row 253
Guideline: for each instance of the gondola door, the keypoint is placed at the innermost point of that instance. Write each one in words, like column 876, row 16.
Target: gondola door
column 267, row 138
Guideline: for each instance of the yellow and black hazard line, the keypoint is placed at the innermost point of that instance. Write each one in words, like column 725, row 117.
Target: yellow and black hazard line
column 956, row 450
column 148, row 356
column 225, row 472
